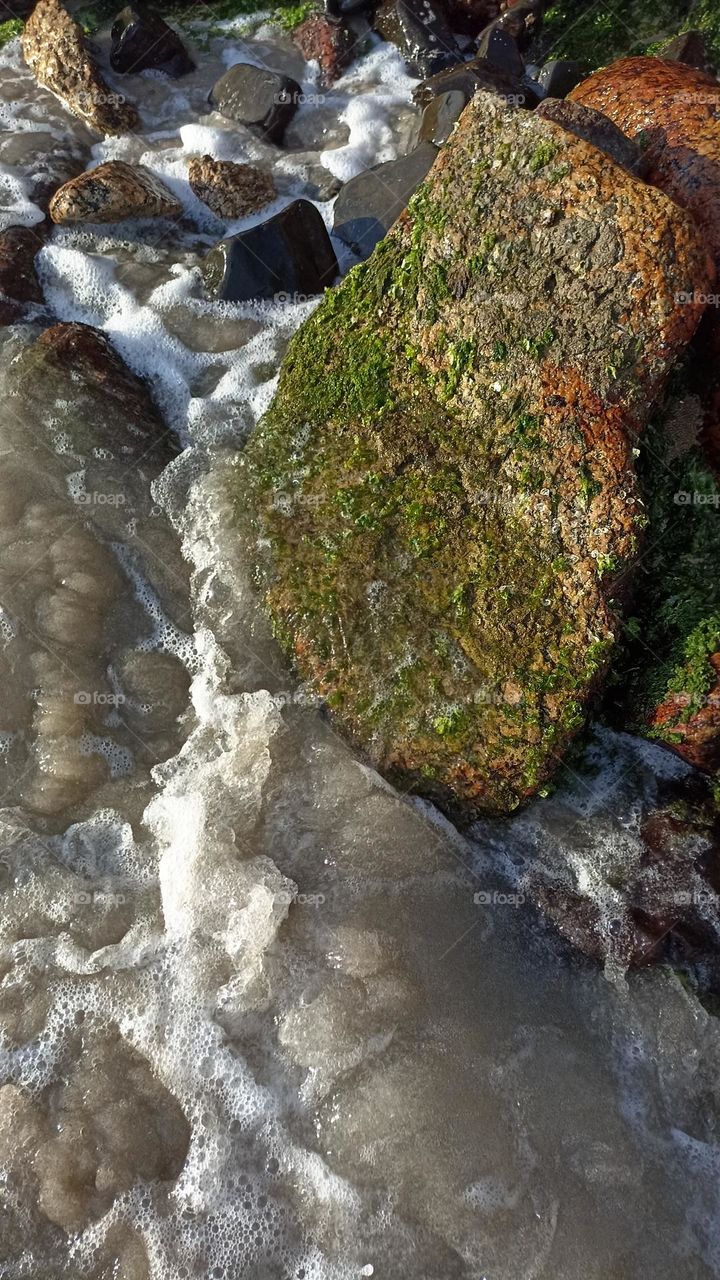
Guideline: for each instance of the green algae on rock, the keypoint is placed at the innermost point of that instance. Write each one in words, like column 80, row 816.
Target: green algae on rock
column 668, row 666
column 443, row 493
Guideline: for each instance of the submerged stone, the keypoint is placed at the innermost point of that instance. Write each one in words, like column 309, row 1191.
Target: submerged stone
column 370, row 203
column 54, row 48
column 289, row 255
column 141, row 39
column 442, row 498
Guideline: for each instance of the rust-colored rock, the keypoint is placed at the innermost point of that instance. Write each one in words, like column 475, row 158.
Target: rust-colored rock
column 231, row 190
column 54, row 48
column 326, row 41
column 674, row 110
column 694, row 730
column 112, row 192
column 443, row 493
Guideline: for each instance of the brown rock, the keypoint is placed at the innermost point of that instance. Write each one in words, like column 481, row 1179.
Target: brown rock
column 230, row 190
column 695, row 733
column 18, row 280
column 54, row 48
column 674, row 111
column 111, row 192
column 326, row 41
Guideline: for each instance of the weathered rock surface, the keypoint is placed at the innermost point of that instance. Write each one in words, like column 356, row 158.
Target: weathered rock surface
column 675, row 110
column 141, row 39
column 420, row 31
column 264, row 101
column 111, row 192
column 230, row 190
column 54, row 48
column 594, row 127
column 290, row 255
column 442, row 497
column 327, row 41
column 370, row 203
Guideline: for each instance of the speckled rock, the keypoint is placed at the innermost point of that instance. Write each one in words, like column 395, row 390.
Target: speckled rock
column 230, row 190
column 111, row 192
column 675, row 111
column 54, row 48
column 141, row 39
column 326, row 40
column 442, row 499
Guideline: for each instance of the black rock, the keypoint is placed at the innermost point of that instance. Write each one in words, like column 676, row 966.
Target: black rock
column 348, row 8
column 594, row 127
column 691, row 48
column 478, row 74
column 559, row 77
column 290, row 255
column 522, row 22
column 264, row 101
column 440, row 116
column 500, row 49
column 140, row 39
column 420, row 32
column 369, row 204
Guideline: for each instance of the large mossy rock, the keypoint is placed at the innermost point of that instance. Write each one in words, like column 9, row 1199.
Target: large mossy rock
column 442, row 499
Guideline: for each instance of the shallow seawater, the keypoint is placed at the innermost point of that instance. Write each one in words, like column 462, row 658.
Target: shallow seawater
column 261, row 1015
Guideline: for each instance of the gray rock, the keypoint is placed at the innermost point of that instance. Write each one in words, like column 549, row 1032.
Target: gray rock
column 289, row 256
column 559, row 77
column 369, row 204
column 264, row 101
column 469, row 77
column 500, row 49
column 440, row 116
